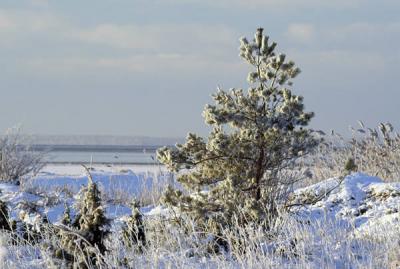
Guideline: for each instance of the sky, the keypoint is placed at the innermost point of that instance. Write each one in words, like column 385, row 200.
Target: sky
column 148, row 67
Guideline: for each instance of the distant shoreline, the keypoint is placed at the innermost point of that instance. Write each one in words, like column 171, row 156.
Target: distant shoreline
column 105, row 163
column 96, row 148
column 98, row 154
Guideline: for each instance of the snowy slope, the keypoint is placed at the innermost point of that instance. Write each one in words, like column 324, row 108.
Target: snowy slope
column 360, row 201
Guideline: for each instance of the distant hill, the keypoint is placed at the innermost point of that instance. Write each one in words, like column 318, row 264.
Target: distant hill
column 102, row 140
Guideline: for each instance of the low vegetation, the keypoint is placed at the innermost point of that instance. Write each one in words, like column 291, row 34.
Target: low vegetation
column 16, row 157
column 375, row 151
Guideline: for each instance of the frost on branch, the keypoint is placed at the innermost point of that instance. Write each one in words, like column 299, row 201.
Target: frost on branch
column 134, row 232
column 85, row 241
column 236, row 171
column 17, row 159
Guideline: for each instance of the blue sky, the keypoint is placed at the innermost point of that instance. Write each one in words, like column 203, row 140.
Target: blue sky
column 127, row 67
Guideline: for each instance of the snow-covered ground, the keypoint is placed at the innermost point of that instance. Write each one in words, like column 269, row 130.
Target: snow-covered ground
column 57, row 185
column 362, row 206
column 77, row 170
column 360, row 201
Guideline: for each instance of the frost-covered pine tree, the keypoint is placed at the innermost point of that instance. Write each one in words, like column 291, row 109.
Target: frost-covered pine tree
column 255, row 135
column 66, row 218
column 83, row 241
column 91, row 218
column 134, row 233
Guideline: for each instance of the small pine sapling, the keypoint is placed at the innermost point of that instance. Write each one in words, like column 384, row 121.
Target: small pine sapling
column 85, row 241
column 255, row 135
column 66, row 218
column 134, row 232
column 350, row 166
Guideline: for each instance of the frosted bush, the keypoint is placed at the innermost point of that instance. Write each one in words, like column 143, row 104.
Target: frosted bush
column 17, row 159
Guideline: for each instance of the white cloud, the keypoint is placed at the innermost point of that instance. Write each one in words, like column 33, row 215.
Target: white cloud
column 171, row 64
column 170, row 47
column 352, row 60
column 273, row 4
column 24, row 21
column 336, row 63
column 301, row 32
column 145, row 48
column 366, row 29
column 19, row 27
column 188, row 38
column 39, row 3
column 6, row 23
column 344, row 35
column 365, row 44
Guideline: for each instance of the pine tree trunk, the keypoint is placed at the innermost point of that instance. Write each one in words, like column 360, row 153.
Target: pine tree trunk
column 259, row 174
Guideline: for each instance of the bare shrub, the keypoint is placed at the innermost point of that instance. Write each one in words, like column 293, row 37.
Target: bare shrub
column 17, row 159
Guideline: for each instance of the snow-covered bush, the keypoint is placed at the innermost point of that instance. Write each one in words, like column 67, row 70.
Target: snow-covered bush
column 83, row 243
column 236, row 171
column 17, row 159
column 134, row 232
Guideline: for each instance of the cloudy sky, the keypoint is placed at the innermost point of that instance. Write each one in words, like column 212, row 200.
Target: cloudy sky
column 148, row 67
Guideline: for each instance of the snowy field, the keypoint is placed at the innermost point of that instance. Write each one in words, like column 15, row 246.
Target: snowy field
column 360, row 201
column 354, row 225
column 61, row 183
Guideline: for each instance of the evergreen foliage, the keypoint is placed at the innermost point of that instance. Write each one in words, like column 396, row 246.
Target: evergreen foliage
column 66, row 218
column 350, row 166
column 236, row 171
column 4, row 217
column 134, row 232
column 85, row 239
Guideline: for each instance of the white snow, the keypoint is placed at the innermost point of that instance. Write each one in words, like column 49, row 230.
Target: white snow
column 360, row 206
column 363, row 202
column 130, row 179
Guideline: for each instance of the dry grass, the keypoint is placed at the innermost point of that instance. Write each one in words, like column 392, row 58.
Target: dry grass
column 290, row 244
column 375, row 152
column 151, row 189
